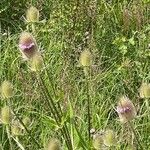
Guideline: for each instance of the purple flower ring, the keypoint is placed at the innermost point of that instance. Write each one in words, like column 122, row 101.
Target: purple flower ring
column 123, row 110
column 26, row 47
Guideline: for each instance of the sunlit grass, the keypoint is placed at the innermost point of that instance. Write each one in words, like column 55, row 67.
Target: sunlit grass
column 120, row 65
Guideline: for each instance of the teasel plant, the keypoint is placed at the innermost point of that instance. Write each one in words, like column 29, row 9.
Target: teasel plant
column 38, row 66
column 86, row 62
column 8, row 113
column 54, row 106
column 144, row 93
column 32, row 17
column 127, row 112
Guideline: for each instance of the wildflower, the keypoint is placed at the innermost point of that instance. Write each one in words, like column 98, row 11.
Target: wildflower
column 32, row 14
column 98, row 141
column 27, row 45
column 54, row 144
column 145, row 90
column 5, row 115
column 36, row 62
column 6, row 89
column 126, row 110
column 109, row 138
column 86, row 58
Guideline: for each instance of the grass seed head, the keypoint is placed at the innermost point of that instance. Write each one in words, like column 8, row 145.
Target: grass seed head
column 5, row 115
column 125, row 109
column 27, row 45
column 144, row 90
column 32, row 14
column 6, row 89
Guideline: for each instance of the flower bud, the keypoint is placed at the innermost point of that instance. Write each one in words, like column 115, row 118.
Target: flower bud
column 15, row 128
column 86, row 58
column 5, row 115
column 126, row 110
column 36, row 62
column 145, row 90
column 98, row 141
column 27, row 45
column 54, row 144
column 6, row 89
column 32, row 14
column 109, row 138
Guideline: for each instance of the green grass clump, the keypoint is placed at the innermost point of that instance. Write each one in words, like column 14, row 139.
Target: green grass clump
column 58, row 96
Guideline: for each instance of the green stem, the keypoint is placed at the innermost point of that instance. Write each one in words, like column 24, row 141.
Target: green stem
column 88, row 106
column 135, row 134
column 55, row 113
column 59, row 107
column 35, row 141
column 9, row 138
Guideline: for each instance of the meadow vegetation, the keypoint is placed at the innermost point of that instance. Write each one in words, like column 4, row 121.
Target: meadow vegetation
column 75, row 75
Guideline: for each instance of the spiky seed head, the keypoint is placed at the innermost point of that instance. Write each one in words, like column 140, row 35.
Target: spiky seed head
column 54, row 144
column 144, row 90
column 98, row 141
column 6, row 89
column 5, row 115
column 27, row 45
column 37, row 62
column 86, row 58
column 109, row 138
column 32, row 14
column 16, row 128
column 126, row 109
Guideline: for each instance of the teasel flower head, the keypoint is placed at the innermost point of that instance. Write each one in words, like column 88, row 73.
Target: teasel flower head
column 126, row 110
column 109, row 138
column 16, row 128
column 98, row 142
column 86, row 58
column 37, row 62
column 6, row 115
column 54, row 144
column 6, row 89
column 32, row 14
column 144, row 90
column 27, row 45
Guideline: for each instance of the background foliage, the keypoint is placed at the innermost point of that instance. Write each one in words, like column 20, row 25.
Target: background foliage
column 117, row 32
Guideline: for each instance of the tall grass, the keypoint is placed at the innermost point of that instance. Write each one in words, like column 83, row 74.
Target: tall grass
column 59, row 100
